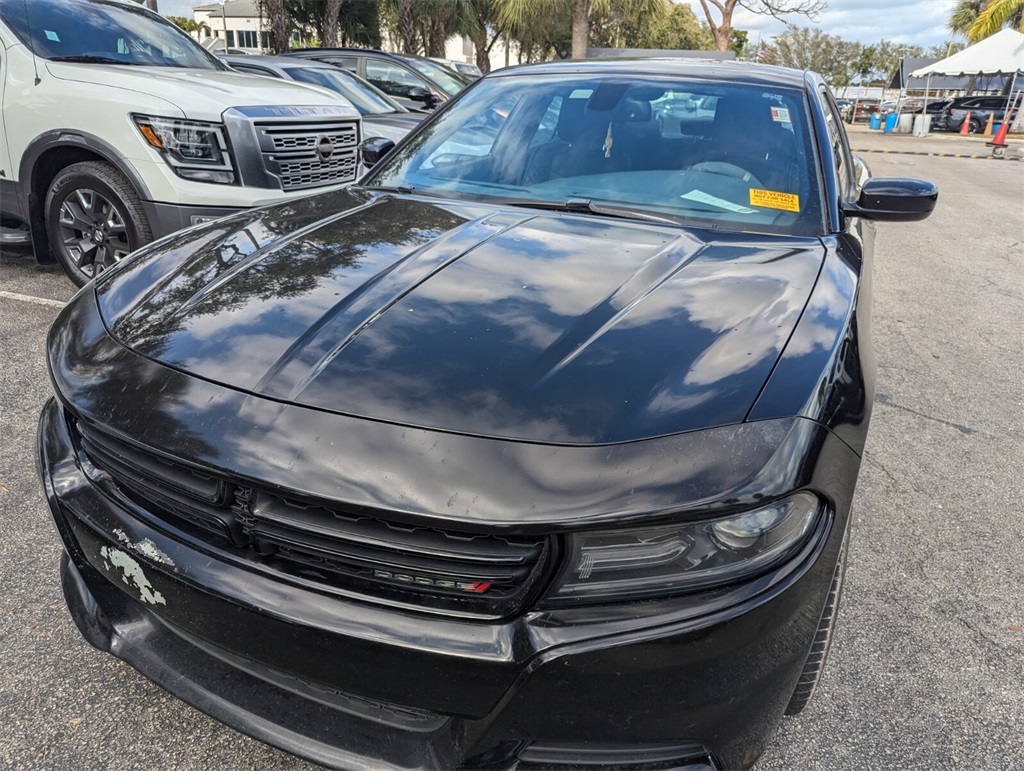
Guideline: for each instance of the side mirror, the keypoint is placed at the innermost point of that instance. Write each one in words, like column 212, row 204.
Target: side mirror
column 420, row 94
column 373, row 149
column 894, row 199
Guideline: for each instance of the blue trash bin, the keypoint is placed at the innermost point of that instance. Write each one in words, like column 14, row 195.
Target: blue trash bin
column 890, row 122
column 876, row 122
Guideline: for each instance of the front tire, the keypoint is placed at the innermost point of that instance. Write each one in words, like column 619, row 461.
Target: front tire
column 94, row 219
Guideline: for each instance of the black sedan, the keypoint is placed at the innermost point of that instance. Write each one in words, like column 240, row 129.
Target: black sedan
column 536, row 449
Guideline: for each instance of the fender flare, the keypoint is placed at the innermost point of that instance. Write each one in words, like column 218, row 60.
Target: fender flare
column 33, row 200
column 76, row 138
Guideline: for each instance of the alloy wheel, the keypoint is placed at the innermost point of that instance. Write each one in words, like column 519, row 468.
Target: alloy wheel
column 93, row 232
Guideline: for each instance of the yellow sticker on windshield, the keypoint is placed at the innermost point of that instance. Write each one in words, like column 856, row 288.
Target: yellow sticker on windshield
column 773, row 199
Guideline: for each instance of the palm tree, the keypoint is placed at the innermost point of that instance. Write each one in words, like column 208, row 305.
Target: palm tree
column 996, row 15
column 964, row 15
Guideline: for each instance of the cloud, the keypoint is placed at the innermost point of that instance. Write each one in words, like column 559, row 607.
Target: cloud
column 915, row 22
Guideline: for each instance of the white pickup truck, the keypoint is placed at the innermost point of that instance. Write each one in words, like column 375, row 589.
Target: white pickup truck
column 117, row 128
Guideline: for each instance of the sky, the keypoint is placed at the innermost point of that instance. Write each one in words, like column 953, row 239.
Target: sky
column 921, row 22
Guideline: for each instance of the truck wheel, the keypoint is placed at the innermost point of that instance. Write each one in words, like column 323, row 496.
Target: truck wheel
column 815, row 663
column 93, row 219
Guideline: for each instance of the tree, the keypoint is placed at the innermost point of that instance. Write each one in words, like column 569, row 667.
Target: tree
column 338, row 22
column 677, row 29
column 997, row 15
column 977, row 19
column 963, row 16
column 776, row 8
column 835, row 59
column 480, row 23
column 879, row 61
column 189, row 25
column 516, row 14
column 278, row 22
column 423, row 26
column 942, row 50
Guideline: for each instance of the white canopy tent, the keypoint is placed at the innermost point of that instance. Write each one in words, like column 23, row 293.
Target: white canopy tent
column 1000, row 54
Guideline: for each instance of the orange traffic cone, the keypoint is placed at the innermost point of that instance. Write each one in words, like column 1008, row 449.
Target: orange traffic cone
column 965, row 127
column 1000, row 138
column 988, row 126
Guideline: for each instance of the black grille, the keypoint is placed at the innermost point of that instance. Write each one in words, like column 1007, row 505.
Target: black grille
column 298, row 174
column 347, row 548
column 306, row 155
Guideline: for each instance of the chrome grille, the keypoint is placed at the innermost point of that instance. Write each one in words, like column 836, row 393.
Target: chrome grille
column 353, row 549
column 309, row 154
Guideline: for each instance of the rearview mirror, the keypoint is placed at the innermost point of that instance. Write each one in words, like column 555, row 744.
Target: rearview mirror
column 894, row 199
column 373, row 149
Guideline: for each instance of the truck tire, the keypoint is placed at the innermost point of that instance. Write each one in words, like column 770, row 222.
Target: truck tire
column 815, row 664
column 94, row 219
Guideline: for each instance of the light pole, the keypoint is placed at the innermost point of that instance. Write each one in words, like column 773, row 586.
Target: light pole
column 224, row 20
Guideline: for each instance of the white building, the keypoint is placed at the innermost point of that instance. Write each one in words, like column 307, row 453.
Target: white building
column 235, row 24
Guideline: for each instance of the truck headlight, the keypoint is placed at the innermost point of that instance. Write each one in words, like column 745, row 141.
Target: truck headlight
column 617, row 565
column 195, row 150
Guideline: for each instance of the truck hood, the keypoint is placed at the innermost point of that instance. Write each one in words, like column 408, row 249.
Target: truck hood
column 199, row 94
column 470, row 318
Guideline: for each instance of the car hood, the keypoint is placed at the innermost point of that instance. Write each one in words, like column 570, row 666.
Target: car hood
column 470, row 318
column 199, row 94
column 393, row 126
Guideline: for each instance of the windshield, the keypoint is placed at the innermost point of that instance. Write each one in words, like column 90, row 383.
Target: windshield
column 363, row 99
column 710, row 153
column 103, row 32
column 442, row 76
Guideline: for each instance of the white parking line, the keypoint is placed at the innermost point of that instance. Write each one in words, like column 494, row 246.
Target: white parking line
column 25, row 298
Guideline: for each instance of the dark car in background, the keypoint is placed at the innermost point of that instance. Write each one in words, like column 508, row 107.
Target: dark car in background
column 382, row 116
column 415, row 82
column 862, row 110
column 974, row 109
column 534, row 449
column 917, row 105
column 467, row 70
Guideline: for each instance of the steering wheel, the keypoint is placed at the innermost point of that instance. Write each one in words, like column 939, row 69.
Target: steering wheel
column 727, row 170
column 448, row 159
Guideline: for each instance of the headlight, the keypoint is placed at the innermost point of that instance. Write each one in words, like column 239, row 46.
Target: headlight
column 640, row 563
column 195, row 150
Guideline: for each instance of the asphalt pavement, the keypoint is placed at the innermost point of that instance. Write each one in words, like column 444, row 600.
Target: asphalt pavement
column 927, row 663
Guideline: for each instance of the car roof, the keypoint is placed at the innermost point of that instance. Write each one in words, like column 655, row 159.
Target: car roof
column 702, row 69
column 349, row 51
column 277, row 61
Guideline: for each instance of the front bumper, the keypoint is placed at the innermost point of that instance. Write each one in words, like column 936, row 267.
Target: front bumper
column 350, row 684
column 167, row 218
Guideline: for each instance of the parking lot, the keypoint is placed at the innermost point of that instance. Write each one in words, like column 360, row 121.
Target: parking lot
column 927, row 664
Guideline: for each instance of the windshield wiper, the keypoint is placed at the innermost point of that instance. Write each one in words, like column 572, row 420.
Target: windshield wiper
column 91, row 59
column 586, row 206
column 385, row 188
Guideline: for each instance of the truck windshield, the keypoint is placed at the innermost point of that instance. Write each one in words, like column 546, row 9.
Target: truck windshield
column 102, row 32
